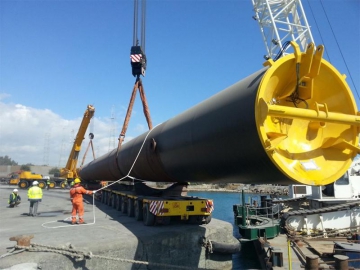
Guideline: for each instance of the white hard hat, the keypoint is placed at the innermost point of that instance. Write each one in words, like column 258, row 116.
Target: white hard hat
column 15, row 190
column 35, row 183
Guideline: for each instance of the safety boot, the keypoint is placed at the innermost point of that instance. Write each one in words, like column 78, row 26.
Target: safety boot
column 73, row 221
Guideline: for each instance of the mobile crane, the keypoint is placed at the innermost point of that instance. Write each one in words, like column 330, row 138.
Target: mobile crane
column 69, row 172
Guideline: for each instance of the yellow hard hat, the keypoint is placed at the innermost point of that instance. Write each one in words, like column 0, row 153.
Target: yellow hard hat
column 77, row 180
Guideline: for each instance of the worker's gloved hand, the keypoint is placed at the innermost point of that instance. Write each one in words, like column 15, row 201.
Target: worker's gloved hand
column 94, row 191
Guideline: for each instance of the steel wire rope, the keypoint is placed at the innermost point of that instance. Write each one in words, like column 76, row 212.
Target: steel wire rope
column 318, row 29
column 322, row 41
column 337, row 43
column 93, row 197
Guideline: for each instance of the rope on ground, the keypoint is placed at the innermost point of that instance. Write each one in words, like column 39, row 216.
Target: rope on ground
column 13, row 251
column 81, row 255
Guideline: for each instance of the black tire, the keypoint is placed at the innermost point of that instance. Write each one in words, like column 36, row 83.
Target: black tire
column 113, row 200
column 124, row 205
column 118, row 202
column 23, row 184
column 207, row 219
column 195, row 220
column 149, row 218
column 103, row 196
column 130, row 207
column 52, row 184
column 138, row 210
column 63, row 184
column 109, row 199
column 42, row 184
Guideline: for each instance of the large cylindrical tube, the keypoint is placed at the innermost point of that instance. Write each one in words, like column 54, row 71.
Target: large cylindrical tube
column 233, row 138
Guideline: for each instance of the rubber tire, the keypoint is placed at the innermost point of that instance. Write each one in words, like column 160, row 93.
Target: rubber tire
column 124, row 205
column 138, row 210
column 42, row 184
column 52, row 184
column 103, row 196
column 130, row 207
column 207, row 219
column 195, row 220
column 109, row 199
column 63, row 184
column 118, row 202
column 114, row 199
column 149, row 218
column 23, row 184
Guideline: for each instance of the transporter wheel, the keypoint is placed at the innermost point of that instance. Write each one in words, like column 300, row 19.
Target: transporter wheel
column 195, row 220
column 138, row 210
column 23, row 184
column 149, row 218
column 109, row 199
column 207, row 219
column 103, row 196
column 118, row 202
column 124, row 205
column 113, row 200
column 130, row 207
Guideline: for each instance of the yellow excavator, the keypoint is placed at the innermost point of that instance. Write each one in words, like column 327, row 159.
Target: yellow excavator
column 69, row 172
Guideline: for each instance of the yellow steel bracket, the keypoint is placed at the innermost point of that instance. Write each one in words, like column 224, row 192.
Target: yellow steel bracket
column 297, row 51
column 310, row 67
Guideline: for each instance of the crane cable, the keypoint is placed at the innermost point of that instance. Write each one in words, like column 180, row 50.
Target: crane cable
column 337, row 43
column 142, row 25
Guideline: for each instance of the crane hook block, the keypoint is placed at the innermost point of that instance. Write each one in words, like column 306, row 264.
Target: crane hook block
column 138, row 61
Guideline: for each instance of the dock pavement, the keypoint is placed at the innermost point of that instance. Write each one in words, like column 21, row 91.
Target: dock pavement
column 109, row 240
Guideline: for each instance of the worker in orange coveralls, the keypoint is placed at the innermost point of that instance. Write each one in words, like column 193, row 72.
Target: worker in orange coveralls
column 76, row 195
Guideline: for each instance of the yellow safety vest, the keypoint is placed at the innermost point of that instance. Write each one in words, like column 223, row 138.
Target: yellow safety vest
column 35, row 193
column 13, row 197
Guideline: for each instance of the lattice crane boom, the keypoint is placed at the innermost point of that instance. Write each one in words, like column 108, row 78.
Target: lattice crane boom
column 281, row 21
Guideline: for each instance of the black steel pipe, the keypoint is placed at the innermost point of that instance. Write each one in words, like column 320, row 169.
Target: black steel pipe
column 277, row 126
column 215, row 141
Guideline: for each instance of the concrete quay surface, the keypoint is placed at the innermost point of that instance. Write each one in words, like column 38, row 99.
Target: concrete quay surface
column 115, row 240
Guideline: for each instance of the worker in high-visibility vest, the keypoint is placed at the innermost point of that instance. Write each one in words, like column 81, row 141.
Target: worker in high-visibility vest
column 76, row 196
column 34, row 196
column 48, row 184
column 14, row 199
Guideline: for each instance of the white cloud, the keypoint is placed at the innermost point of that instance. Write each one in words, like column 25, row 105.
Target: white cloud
column 4, row 96
column 39, row 136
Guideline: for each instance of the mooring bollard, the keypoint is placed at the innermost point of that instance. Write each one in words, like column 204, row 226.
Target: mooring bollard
column 312, row 262
column 341, row 262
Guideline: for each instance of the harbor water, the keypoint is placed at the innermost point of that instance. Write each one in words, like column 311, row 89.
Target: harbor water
column 223, row 210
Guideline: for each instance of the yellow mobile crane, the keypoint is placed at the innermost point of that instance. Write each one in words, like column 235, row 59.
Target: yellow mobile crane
column 69, row 172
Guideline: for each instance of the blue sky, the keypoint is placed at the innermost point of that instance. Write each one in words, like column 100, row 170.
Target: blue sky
column 58, row 56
